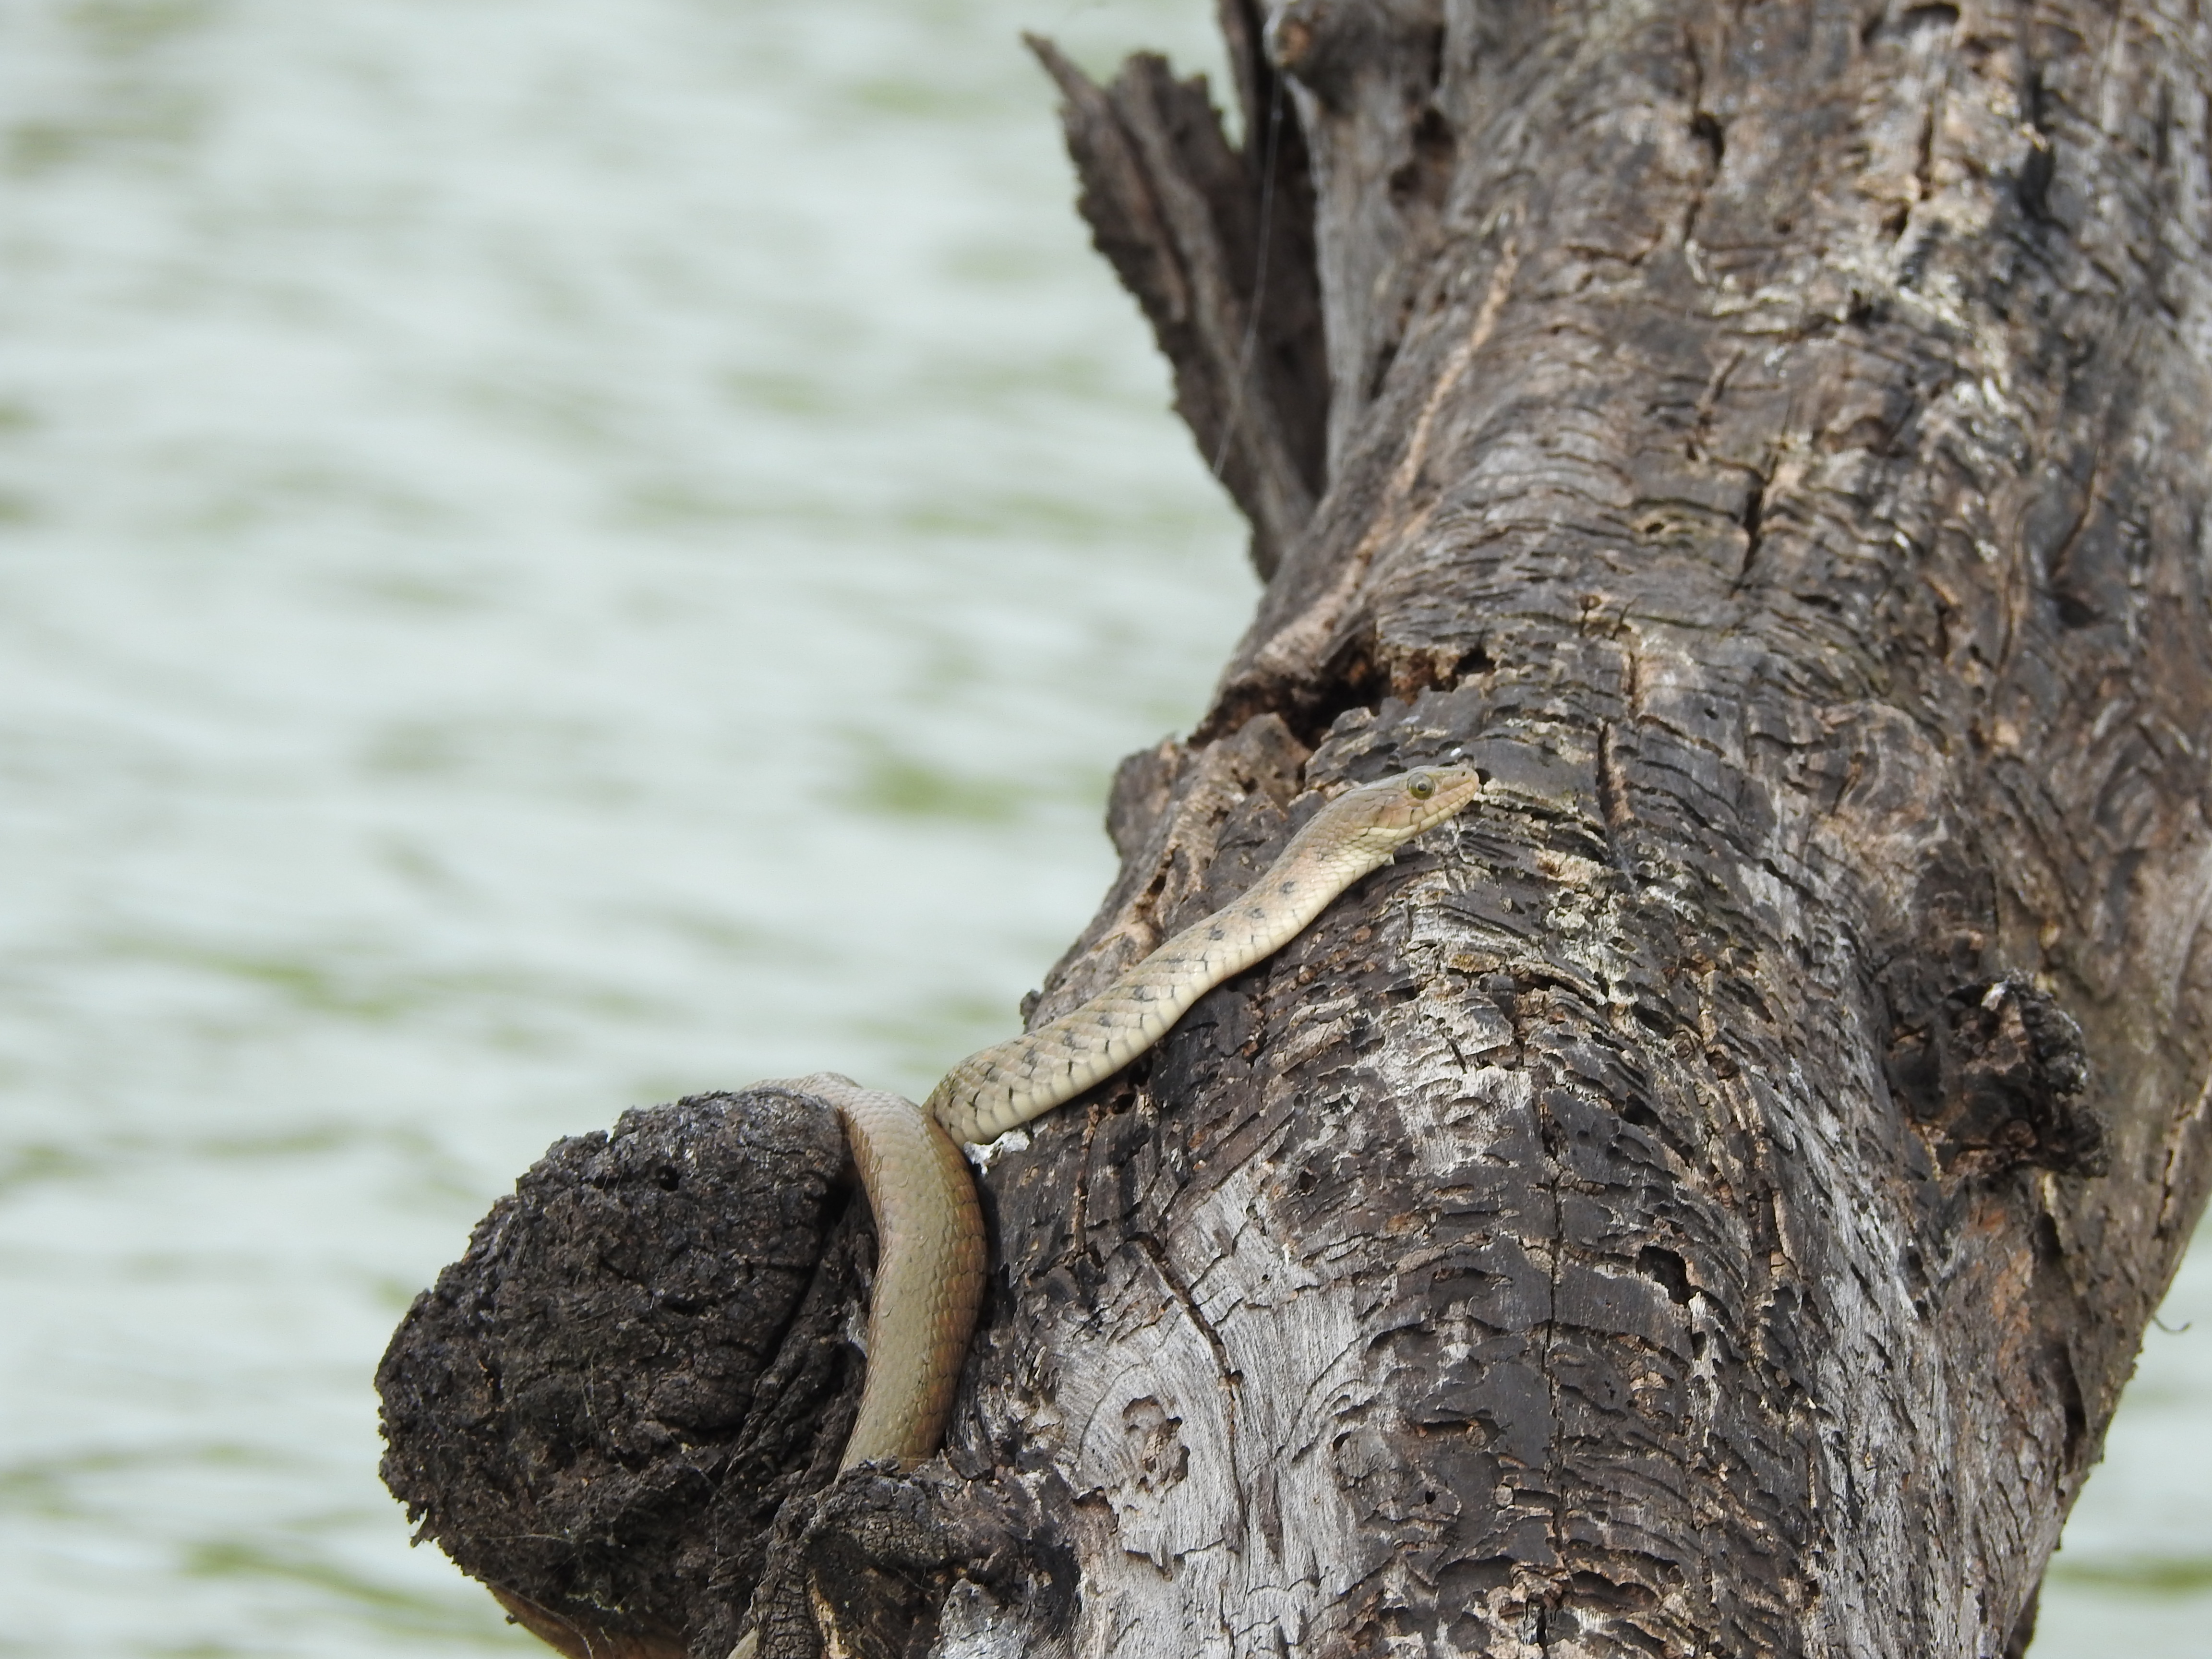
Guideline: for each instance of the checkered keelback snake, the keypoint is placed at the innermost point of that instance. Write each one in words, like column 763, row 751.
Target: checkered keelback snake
column 929, row 1273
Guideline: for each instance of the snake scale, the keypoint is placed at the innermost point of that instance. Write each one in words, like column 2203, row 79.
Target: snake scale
column 930, row 1264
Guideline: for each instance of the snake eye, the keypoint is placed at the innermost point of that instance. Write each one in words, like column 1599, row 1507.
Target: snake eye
column 1420, row 785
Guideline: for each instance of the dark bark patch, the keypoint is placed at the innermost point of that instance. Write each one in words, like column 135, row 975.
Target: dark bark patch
column 601, row 1406
column 1423, row 180
column 1705, row 127
column 1992, row 1077
column 863, row 1567
column 1351, row 683
column 873, row 1563
column 1668, row 1269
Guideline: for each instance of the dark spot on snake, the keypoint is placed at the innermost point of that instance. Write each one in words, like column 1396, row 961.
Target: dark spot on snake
column 1213, row 931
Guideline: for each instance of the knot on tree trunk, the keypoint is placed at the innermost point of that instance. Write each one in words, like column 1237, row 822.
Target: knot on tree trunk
column 624, row 1407
column 1993, row 1076
column 599, row 1409
column 864, row 1568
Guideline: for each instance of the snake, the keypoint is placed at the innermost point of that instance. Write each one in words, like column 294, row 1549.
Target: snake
column 929, row 1277
column 929, row 1222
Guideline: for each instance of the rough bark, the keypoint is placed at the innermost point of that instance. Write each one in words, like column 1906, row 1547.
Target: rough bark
column 1217, row 244
column 570, row 1412
column 1708, row 1200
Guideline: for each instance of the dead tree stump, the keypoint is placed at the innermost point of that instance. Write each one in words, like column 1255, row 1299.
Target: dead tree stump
column 1708, row 1200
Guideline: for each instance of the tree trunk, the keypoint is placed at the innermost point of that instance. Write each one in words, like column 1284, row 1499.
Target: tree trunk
column 1770, row 441
column 1708, row 1200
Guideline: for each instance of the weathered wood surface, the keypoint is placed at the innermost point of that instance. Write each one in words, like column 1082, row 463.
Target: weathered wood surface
column 601, row 1407
column 1772, row 441
column 1707, row 1200
column 1216, row 242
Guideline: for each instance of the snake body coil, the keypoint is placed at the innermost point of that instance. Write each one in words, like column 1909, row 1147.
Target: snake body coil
column 929, row 1276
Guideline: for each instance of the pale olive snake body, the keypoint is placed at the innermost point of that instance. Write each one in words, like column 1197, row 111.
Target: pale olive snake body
column 929, row 1275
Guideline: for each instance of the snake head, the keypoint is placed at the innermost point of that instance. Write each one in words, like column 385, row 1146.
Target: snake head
column 1376, row 819
column 1433, row 793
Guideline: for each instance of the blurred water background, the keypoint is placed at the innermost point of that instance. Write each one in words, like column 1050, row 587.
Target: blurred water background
column 553, row 554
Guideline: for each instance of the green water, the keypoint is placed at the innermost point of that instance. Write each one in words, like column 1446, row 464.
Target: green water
column 553, row 553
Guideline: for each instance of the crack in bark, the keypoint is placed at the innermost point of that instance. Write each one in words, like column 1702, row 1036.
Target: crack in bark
column 1156, row 1253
